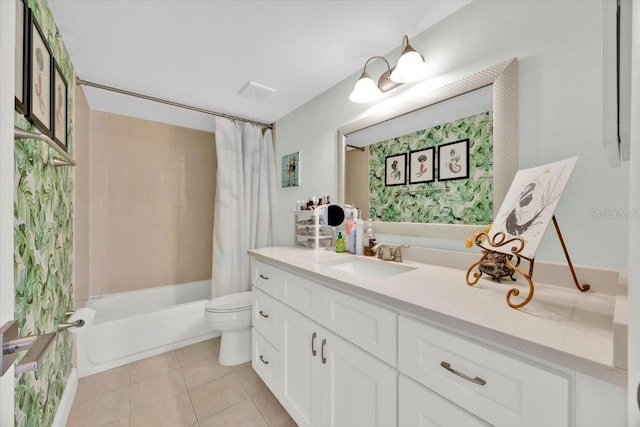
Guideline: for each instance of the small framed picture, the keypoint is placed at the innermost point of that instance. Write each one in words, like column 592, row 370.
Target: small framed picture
column 22, row 56
column 291, row 170
column 40, row 66
column 453, row 160
column 59, row 107
column 422, row 166
column 395, row 168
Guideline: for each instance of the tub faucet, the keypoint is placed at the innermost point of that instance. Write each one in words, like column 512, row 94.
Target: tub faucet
column 389, row 252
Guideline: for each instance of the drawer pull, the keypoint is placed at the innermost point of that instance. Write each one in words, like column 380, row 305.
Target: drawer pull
column 476, row 380
column 266, row 362
column 262, row 276
column 263, row 314
column 313, row 344
column 324, row 359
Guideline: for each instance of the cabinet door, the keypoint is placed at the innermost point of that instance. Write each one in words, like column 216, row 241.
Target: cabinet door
column 421, row 407
column 300, row 368
column 357, row 388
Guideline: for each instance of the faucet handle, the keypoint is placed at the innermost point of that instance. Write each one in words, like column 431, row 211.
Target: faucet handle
column 396, row 252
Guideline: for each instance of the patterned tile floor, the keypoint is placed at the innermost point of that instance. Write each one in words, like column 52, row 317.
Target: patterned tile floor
column 186, row 387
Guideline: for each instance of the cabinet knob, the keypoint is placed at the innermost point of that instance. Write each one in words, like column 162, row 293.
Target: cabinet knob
column 266, row 362
column 262, row 276
column 262, row 313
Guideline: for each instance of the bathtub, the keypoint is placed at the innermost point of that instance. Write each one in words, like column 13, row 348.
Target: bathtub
column 130, row 326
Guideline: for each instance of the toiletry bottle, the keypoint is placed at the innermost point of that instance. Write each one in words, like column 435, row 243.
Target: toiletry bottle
column 340, row 243
column 359, row 237
column 352, row 239
column 370, row 242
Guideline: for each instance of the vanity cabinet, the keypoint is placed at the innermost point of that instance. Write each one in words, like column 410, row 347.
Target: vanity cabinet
column 334, row 358
column 327, row 381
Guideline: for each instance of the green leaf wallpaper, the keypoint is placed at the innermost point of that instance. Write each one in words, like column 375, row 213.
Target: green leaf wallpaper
column 43, row 257
column 468, row 201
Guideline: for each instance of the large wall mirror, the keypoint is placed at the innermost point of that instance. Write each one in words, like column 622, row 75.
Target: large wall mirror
column 455, row 144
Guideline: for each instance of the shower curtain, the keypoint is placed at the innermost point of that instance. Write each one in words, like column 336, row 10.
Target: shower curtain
column 244, row 214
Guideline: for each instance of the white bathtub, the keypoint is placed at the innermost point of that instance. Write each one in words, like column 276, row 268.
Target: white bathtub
column 130, row 326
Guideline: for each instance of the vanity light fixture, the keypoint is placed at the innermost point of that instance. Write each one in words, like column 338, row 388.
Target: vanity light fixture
column 410, row 67
column 366, row 90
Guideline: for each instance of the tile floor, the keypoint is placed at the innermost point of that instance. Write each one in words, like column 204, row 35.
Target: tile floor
column 186, row 387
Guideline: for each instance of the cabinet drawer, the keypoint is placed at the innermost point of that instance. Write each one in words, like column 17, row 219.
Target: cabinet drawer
column 421, row 407
column 368, row 326
column 265, row 316
column 301, row 294
column 266, row 277
column 500, row 389
column 265, row 361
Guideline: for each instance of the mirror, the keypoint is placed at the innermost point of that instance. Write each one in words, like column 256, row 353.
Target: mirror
column 499, row 82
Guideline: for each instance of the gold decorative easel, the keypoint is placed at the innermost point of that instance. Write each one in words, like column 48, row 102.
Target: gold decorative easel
column 500, row 240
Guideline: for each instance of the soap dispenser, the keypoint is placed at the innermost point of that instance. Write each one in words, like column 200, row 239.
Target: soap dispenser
column 340, row 243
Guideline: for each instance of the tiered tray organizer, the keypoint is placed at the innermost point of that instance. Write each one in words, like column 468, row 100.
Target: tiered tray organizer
column 309, row 231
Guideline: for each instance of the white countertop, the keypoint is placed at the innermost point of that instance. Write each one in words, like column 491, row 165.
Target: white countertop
column 560, row 324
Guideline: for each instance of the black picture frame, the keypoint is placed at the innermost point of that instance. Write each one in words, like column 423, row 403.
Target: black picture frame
column 395, row 170
column 453, row 160
column 59, row 106
column 39, row 99
column 22, row 56
column 422, row 166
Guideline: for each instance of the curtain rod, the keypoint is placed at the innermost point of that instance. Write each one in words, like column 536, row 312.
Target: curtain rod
column 166, row 101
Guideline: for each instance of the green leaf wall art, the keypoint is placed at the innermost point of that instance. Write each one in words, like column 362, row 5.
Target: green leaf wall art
column 463, row 201
column 43, row 252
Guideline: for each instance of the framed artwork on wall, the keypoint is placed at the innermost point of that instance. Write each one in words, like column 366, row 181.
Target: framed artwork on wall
column 395, row 168
column 291, row 170
column 40, row 67
column 22, row 76
column 453, row 160
column 59, row 107
column 421, row 166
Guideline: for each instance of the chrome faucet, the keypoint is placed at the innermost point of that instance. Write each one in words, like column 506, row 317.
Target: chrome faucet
column 389, row 252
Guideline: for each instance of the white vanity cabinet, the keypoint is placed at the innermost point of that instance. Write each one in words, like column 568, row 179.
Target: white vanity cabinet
column 327, row 381
column 335, row 358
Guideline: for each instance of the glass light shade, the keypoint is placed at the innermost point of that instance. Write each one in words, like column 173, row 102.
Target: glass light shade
column 410, row 67
column 365, row 90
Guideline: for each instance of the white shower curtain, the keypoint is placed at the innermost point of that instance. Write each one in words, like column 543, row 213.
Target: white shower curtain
column 244, row 216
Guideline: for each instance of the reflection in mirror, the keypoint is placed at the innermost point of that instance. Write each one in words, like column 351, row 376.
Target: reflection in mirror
column 439, row 164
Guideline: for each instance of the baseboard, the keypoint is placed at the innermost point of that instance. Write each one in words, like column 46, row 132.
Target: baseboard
column 66, row 401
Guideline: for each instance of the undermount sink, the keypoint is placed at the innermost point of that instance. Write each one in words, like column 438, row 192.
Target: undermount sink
column 368, row 268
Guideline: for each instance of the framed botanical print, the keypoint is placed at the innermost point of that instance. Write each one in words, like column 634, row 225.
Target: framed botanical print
column 395, row 168
column 421, row 166
column 59, row 107
column 40, row 67
column 453, row 160
column 22, row 56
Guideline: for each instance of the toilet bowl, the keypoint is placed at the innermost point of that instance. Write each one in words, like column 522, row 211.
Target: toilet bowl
column 231, row 315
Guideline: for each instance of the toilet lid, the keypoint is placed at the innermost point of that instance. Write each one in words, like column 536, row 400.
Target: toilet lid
column 232, row 302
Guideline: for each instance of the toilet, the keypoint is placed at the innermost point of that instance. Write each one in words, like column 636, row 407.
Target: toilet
column 231, row 315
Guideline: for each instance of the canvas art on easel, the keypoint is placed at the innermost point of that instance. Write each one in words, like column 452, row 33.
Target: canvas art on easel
column 530, row 204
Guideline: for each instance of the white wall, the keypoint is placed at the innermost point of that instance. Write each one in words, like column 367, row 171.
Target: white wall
column 559, row 48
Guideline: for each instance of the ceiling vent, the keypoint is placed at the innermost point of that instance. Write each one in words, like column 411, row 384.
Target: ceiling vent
column 256, row 91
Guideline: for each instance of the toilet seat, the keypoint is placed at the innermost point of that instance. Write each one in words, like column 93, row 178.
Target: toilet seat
column 240, row 301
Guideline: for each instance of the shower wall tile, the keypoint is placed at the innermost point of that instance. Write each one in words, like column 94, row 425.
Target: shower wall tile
column 151, row 211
